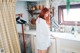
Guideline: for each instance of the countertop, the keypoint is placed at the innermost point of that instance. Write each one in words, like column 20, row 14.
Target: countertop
column 69, row 36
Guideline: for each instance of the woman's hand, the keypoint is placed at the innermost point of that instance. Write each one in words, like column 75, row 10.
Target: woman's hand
column 52, row 37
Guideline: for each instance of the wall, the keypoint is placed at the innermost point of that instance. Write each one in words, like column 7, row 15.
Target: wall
column 57, row 3
column 21, row 7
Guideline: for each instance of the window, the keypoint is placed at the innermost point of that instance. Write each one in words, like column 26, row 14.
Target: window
column 70, row 18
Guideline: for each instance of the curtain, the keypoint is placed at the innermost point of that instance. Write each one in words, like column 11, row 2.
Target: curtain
column 8, row 34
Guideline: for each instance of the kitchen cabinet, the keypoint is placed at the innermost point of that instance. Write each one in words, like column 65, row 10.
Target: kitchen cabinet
column 28, row 43
column 69, row 46
column 32, row 34
column 63, row 42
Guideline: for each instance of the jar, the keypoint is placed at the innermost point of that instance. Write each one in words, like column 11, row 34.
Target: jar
column 33, row 8
column 33, row 21
column 41, row 7
column 37, row 7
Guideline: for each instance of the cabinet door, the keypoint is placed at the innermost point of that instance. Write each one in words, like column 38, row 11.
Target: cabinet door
column 69, row 46
column 33, row 44
column 52, row 48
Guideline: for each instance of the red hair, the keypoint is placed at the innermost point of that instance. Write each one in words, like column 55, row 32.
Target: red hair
column 43, row 12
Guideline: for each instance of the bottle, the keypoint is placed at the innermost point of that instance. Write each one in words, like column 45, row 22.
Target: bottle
column 72, row 31
column 61, row 28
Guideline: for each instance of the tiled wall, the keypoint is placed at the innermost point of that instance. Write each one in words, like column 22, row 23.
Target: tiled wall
column 57, row 3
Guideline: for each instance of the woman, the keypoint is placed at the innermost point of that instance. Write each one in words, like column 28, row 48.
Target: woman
column 43, row 31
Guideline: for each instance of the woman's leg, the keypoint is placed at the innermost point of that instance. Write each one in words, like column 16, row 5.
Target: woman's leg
column 42, row 51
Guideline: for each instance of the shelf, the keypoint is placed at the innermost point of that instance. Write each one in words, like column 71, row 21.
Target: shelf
column 32, row 12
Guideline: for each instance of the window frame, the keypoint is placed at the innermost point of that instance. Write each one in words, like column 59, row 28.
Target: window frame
column 61, row 19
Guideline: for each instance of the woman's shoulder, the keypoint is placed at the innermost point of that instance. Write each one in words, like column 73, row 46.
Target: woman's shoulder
column 40, row 20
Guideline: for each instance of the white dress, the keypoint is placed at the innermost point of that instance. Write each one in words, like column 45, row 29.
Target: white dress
column 42, row 34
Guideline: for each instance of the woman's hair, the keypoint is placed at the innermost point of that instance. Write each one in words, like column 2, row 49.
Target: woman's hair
column 43, row 12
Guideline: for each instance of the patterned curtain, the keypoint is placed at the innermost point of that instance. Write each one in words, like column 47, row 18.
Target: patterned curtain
column 8, row 34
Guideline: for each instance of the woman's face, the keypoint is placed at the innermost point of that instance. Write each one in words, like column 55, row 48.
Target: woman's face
column 46, row 15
